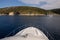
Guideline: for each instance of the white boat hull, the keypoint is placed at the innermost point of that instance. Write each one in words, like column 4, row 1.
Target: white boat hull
column 30, row 33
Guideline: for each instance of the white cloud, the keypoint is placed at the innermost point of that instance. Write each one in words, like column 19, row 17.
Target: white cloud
column 30, row 1
column 50, row 4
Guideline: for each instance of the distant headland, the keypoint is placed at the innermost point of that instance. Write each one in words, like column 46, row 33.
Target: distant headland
column 25, row 10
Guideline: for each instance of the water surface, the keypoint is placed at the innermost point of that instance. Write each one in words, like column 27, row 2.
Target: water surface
column 50, row 25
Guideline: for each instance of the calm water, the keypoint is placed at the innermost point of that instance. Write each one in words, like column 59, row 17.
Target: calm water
column 50, row 25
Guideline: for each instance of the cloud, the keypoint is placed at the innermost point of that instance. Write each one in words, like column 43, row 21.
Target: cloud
column 45, row 4
column 30, row 1
column 52, row 5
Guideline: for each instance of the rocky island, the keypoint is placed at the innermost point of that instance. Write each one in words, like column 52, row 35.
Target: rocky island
column 25, row 10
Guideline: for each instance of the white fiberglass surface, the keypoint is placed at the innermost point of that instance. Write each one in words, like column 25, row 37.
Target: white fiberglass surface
column 30, row 33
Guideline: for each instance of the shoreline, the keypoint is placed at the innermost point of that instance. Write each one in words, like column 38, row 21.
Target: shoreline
column 30, row 15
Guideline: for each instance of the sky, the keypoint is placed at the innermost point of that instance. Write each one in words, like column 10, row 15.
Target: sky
column 45, row 4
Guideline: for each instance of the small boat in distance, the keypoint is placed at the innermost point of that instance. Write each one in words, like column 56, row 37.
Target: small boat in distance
column 30, row 33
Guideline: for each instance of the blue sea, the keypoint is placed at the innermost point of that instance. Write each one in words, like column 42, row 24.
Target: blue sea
column 50, row 25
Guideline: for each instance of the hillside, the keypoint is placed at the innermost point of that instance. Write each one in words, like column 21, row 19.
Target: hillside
column 56, row 10
column 22, row 9
column 25, row 10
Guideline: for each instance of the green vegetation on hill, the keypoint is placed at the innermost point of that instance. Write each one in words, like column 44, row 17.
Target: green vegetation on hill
column 56, row 10
column 24, row 10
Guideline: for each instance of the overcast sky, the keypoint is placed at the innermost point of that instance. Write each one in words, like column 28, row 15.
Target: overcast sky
column 45, row 4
